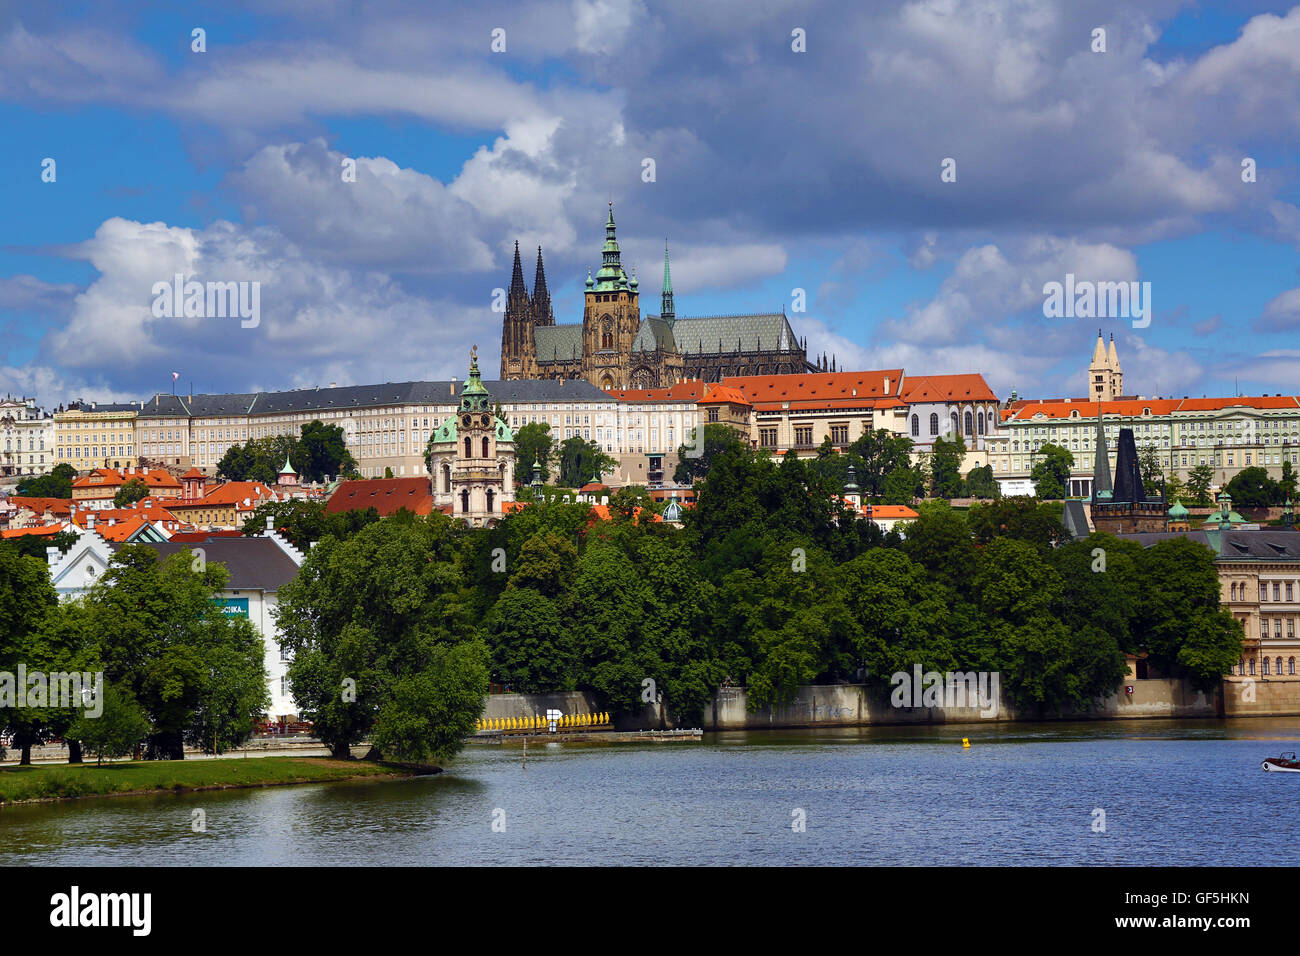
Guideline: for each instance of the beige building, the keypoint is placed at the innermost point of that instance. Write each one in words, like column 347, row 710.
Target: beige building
column 1105, row 377
column 90, row 435
column 26, row 438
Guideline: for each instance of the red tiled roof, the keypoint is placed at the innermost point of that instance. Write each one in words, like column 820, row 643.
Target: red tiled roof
column 681, row 392
column 111, row 477
column 385, row 495
column 41, row 505
column 231, row 493
column 193, row 473
column 818, row 386
column 720, row 394
column 948, row 388
column 43, row 530
column 1135, row 408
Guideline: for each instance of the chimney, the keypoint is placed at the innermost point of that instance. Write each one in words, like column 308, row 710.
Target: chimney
column 51, row 555
column 886, row 385
column 270, row 524
column 145, row 470
column 90, row 521
column 334, row 384
column 453, row 388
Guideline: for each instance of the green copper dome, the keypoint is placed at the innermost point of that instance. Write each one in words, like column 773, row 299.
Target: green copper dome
column 611, row 277
column 474, row 397
column 1178, row 511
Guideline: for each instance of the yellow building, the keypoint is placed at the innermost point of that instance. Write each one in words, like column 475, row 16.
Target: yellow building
column 89, row 435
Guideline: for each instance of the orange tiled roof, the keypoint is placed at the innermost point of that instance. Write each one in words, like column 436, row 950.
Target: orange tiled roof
column 821, row 386
column 385, row 495
column 147, row 508
column 891, row 512
column 681, row 392
column 724, row 394
column 43, row 530
column 231, row 493
column 121, row 530
column 948, row 388
column 110, row 477
column 41, row 505
column 1134, row 408
column 193, row 473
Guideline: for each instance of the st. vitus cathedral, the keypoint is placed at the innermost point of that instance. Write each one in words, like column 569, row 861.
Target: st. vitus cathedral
column 615, row 347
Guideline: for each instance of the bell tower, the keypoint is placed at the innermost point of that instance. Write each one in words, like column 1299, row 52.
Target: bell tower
column 610, row 318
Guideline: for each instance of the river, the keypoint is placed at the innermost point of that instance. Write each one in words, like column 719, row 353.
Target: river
column 1181, row 793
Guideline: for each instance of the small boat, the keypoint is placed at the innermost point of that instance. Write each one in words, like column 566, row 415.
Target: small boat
column 1286, row 763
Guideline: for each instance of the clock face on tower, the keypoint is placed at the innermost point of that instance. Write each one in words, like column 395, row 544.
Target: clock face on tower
column 467, row 421
column 487, row 421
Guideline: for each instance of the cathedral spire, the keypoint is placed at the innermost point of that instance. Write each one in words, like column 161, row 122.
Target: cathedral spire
column 542, row 313
column 611, row 277
column 666, row 311
column 517, row 287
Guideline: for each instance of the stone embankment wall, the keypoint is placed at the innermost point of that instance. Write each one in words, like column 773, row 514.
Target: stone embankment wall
column 1261, row 696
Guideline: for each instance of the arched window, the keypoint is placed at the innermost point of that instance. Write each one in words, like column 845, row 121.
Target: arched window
column 934, row 424
column 490, row 496
column 1234, row 592
column 1241, row 665
column 464, row 500
column 980, row 421
column 1290, row 666
column 970, row 424
column 607, row 334
column 485, row 447
column 1279, row 667
column 468, row 452
column 1252, row 667
column 916, row 426
column 1264, row 665
column 956, row 426
column 446, row 479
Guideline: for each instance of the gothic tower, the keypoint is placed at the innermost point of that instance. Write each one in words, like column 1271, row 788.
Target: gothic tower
column 610, row 318
column 518, row 348
column 1105, row 377
column 542, row 312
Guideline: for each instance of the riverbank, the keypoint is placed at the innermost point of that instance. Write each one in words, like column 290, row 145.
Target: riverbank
column 72, row 781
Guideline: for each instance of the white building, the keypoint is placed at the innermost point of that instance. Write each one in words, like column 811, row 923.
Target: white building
column 26, row 438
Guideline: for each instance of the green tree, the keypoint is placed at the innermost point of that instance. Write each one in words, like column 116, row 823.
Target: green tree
column 980, row 483
column 162, row 638
column 27, row 600
column 383, row 640
column 323, row 453
column 707, row 442
column 1153, row 474
column 1253, row 488
column 131, row 492
column 902, row 486
column 117, row 731
column 531, row 645
column 877, row 454
column 1175, row 489
column 581, row 460
column 1198, row 484
column 1286, row 485
column 1022, row 518
column 57, row 484
column 261, row 459
column 533, row 442
column 945, row 467
column 1051, row 472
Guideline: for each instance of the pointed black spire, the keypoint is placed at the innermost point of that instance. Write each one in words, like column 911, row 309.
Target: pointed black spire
column 542, row 314
column 517, row 287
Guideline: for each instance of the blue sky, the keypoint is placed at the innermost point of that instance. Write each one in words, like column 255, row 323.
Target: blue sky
column 775, row 170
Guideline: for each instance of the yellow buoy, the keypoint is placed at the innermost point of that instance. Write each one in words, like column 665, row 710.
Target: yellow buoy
column 965, row 742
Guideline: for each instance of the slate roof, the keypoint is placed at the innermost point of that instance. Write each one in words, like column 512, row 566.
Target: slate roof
column 357, row 396
column 754, row 332
column 557, row 343
column 254, row 563
column 654, row 333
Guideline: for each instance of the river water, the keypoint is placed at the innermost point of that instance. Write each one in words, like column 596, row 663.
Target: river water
column 1173, row 793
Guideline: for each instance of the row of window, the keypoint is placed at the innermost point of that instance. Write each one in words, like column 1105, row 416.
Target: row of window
column 1239, row 591
column 974, row 424
column 1242, row 667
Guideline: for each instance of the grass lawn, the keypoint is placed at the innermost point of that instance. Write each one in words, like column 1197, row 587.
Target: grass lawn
column 66, row 781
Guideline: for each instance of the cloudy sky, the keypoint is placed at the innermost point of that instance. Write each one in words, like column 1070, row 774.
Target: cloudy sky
column 775, row 170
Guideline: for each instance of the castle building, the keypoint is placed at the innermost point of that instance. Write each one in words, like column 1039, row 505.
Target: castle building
column 472, row 457
column 614, row 347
